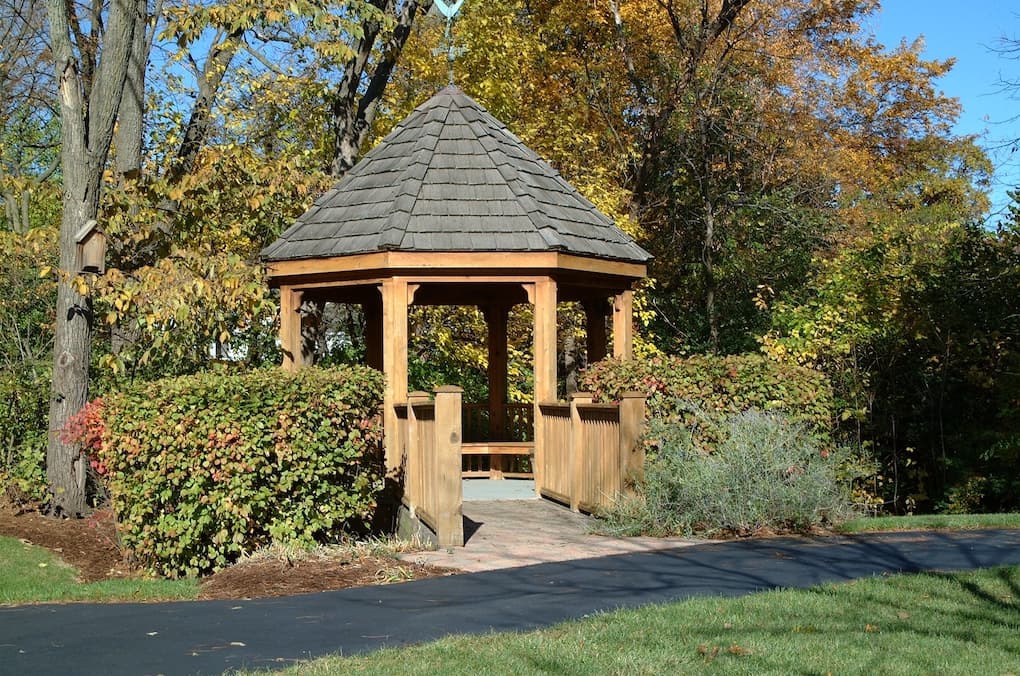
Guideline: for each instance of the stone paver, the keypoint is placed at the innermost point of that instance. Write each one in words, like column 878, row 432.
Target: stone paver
column 510, row 533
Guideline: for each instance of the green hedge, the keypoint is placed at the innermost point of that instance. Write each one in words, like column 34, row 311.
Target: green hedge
column 704, row 389
column 24, row 406
column 203, row 468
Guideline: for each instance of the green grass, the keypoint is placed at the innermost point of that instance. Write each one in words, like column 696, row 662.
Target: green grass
column 966, row 623
column 30, row 574
column 930, row 522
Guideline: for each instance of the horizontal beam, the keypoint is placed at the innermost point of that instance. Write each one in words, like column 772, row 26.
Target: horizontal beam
column 498, row 448
column 501, row 264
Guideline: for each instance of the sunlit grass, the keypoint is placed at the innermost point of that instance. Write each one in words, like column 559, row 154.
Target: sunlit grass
column 930, row 522
column 30, row 574
column 967, row 623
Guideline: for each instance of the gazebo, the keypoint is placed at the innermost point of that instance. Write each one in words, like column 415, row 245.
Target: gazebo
column 451, row 208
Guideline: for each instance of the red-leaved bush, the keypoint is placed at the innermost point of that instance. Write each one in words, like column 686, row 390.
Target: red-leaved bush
column 87, row 429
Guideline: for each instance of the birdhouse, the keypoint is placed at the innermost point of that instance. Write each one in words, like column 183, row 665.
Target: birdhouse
column 91, row 249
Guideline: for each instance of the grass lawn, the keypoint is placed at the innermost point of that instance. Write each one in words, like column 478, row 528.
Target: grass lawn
column 930, row 522
column 967, row 623
column 30, row 574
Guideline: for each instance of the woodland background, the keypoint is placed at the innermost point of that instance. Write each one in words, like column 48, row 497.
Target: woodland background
column 798, row 184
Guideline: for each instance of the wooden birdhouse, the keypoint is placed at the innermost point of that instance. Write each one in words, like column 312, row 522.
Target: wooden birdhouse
column 91, row 248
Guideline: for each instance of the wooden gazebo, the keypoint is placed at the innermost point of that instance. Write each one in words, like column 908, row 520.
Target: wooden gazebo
column 452, row 209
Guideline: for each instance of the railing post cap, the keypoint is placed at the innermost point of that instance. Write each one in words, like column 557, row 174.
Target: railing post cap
column 581, row 395
column 417, row 395
column 633, row 395
column 448, row 389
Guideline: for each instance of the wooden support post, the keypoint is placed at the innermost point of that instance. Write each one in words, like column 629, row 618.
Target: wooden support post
column 623, row 325
column 373, row 311
column 394, row 302
column 290, row 328
column 311, row 326
column 449, row 514
column 595, row 312
column 544, row 348
column 412, row 461
column 632, row 451
column 496, row 320
column 577, row 450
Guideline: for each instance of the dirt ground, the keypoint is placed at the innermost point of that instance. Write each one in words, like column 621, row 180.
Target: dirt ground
column 90, row 545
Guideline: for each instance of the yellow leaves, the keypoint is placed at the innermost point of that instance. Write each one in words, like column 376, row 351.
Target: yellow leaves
column 45, row 271
column 80, row 285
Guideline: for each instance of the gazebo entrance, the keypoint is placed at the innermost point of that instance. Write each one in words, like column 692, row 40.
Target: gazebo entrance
column 453, row 209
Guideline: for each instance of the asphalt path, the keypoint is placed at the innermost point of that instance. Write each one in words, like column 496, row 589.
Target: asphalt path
column 206, row 637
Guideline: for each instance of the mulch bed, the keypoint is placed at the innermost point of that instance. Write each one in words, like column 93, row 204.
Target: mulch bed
column 90, row 545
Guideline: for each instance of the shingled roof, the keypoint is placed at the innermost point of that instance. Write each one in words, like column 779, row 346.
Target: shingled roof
column 452, row 178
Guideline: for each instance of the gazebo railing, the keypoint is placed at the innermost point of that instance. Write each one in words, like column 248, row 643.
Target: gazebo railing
column 507, row 454
column 432, row 495
column 518, row 423
column 589, row 450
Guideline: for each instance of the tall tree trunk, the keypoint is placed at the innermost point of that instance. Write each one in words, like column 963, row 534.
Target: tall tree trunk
column 216, row 66
column 708, row 267
column 351, row 114
column 128, row 141
column 709, row 213
column 131, row 118
column 88, row 112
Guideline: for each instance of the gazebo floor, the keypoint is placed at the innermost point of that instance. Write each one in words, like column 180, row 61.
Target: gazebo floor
column 501, row 489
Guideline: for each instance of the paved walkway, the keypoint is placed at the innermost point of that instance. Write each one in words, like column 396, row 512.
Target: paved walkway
column 509, row 533
column 215, row 636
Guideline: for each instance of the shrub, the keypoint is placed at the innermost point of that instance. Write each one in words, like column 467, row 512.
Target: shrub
column 24, row 401
column 716, row 387
column 203, row 468
column 767, row 472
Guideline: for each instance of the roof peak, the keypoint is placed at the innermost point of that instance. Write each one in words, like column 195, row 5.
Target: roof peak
column 451, row 177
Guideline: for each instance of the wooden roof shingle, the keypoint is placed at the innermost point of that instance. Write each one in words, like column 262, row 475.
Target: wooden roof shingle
column 452, row 178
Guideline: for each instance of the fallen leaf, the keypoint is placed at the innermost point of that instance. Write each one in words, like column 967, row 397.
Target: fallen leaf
column 739, row 650
column 870, row 627
column 708, row 653
column 902, row 615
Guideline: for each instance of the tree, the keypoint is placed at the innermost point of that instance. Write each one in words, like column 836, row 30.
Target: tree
column 913, row 318
column 28, row 126
column 91, row 55
column 243, row 155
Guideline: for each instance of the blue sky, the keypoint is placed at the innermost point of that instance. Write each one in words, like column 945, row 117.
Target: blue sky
column 968, row 30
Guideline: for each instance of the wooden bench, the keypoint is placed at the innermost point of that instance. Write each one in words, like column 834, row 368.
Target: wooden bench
column 498, row 452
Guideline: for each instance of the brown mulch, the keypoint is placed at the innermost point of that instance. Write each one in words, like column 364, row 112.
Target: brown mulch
column 90, row 545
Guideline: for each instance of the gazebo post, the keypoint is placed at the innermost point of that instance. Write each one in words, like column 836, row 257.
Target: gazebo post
column 595, row 312
column 496, row 321
column 373, row 311
column 623, row 325
column 291, row 341
column 544, row 347
column 394, row 357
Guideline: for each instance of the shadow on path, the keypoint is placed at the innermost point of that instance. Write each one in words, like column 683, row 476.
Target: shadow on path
column 214, row 636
